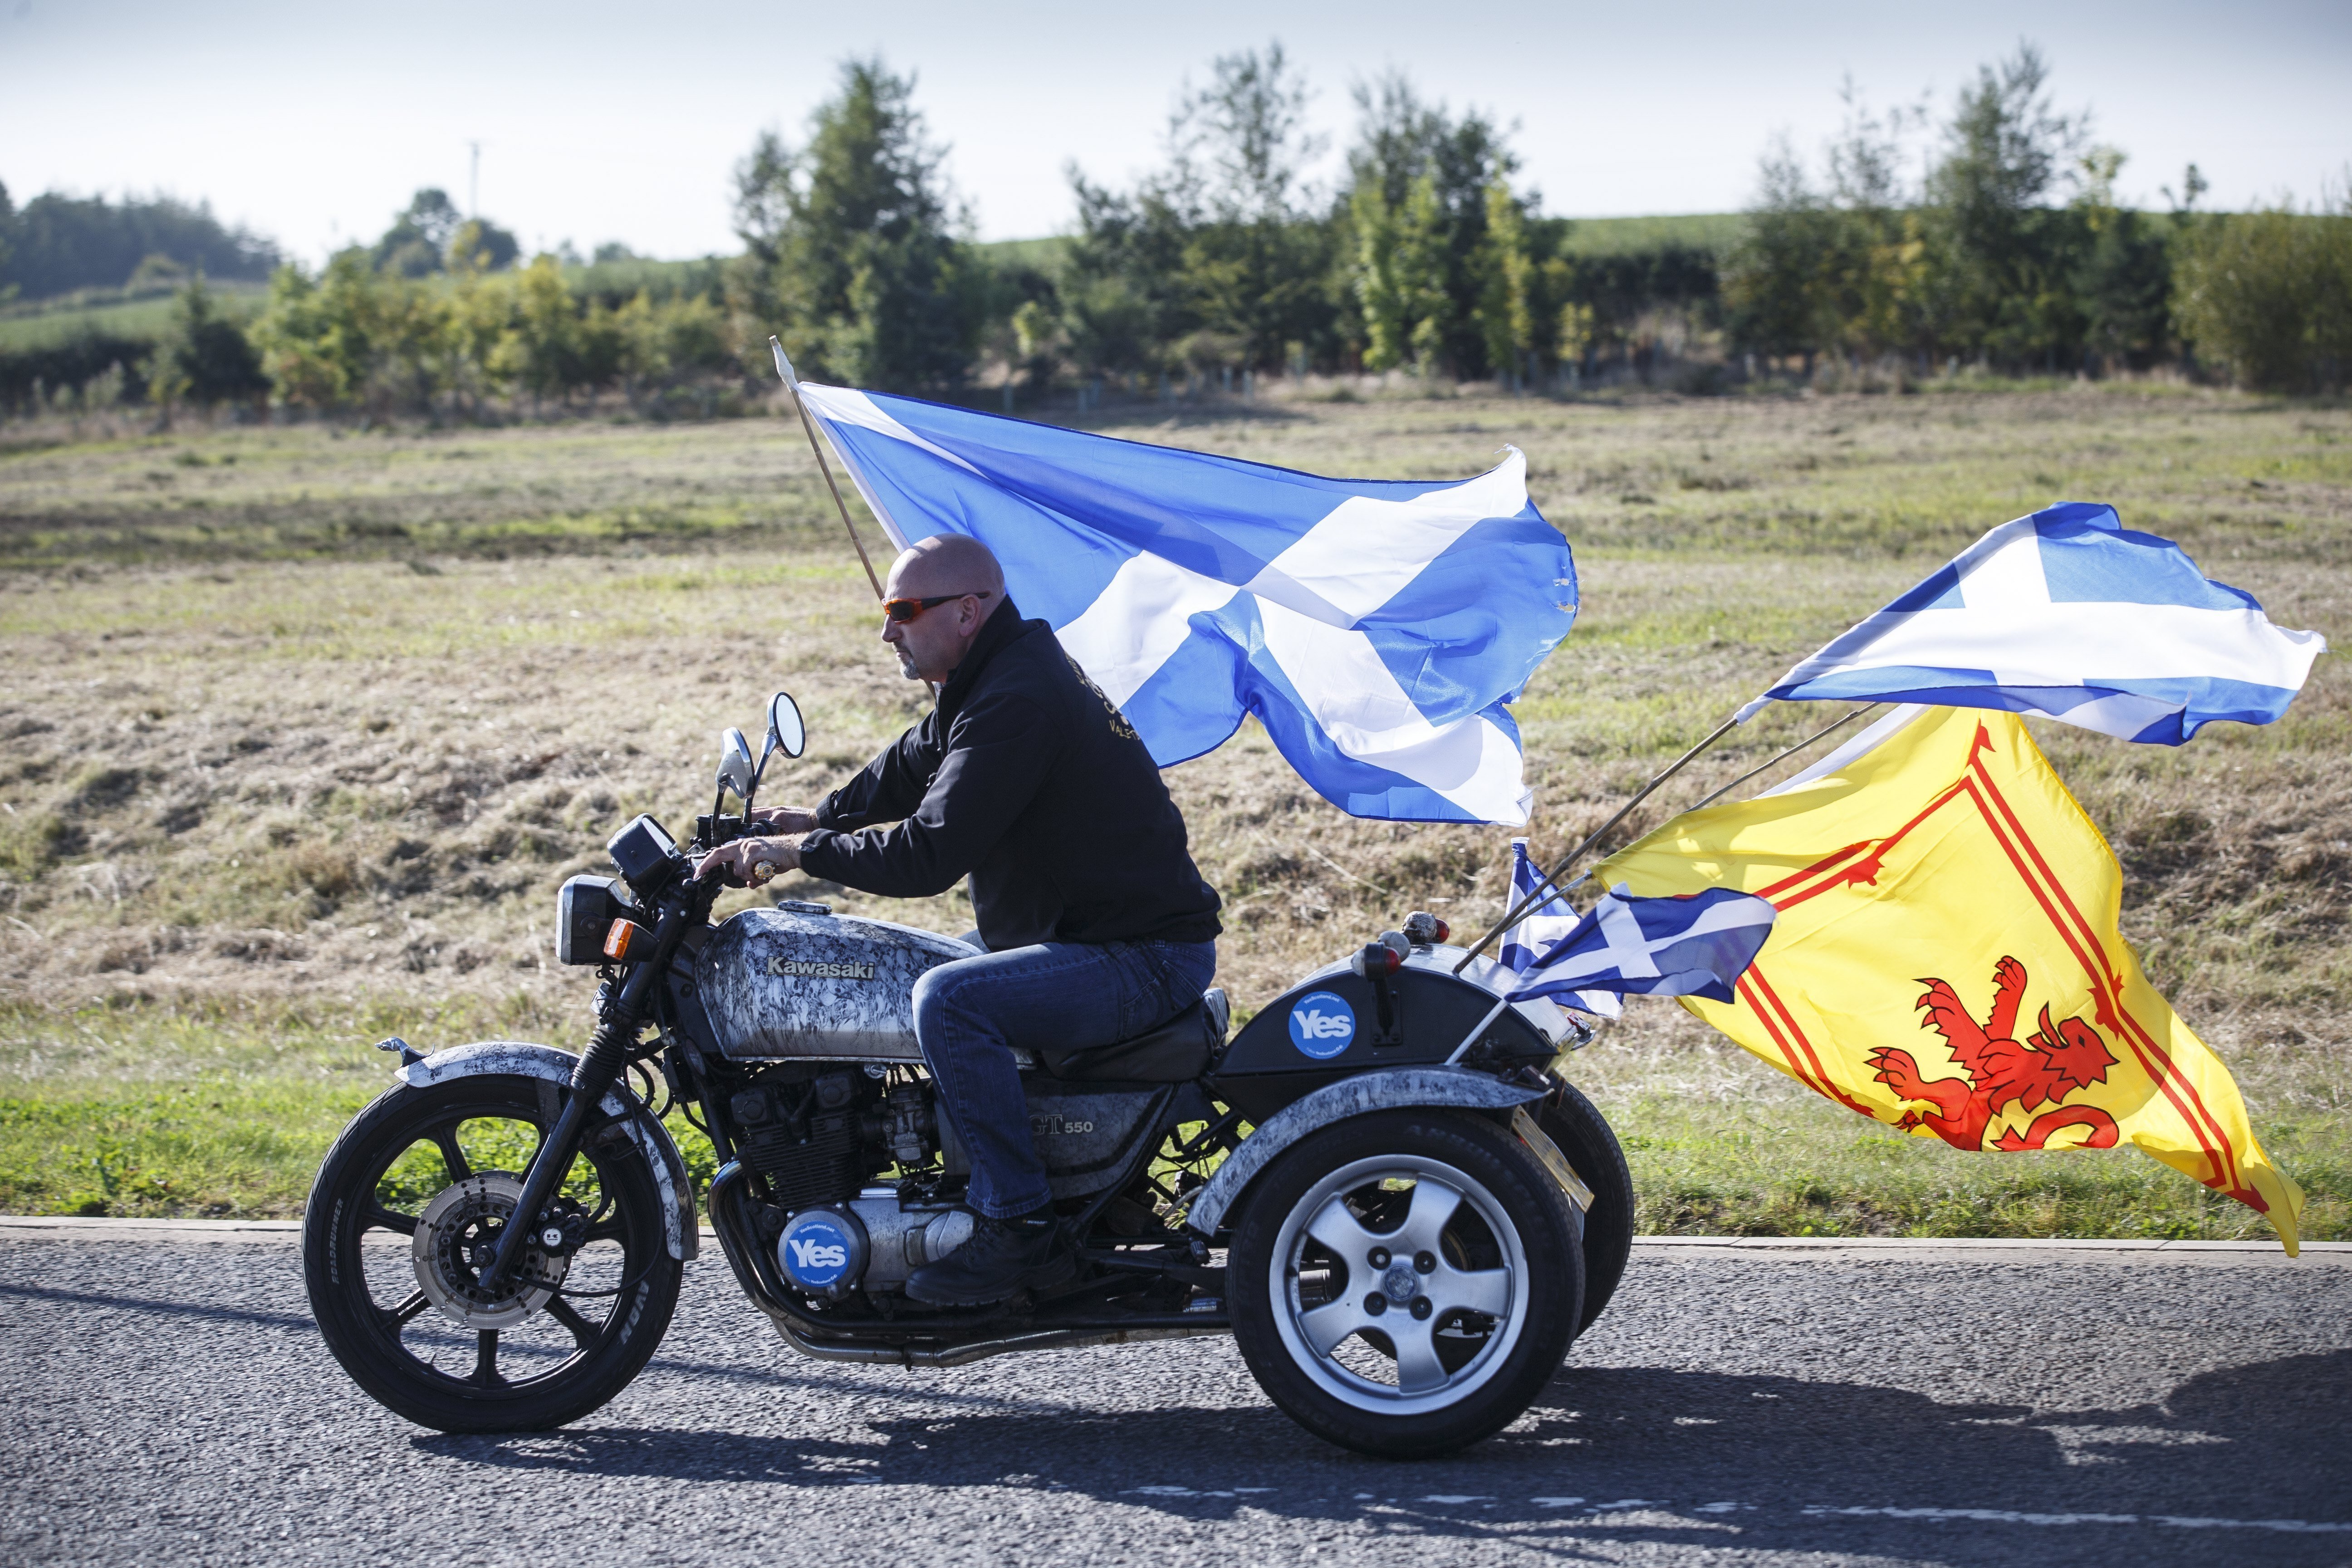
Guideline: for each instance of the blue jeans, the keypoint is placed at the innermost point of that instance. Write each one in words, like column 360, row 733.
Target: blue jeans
column 969, row 1014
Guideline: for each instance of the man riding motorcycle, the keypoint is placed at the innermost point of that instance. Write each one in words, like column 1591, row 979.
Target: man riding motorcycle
column 1098, row 924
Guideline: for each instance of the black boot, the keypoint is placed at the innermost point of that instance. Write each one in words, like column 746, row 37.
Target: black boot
column 1027, row 1252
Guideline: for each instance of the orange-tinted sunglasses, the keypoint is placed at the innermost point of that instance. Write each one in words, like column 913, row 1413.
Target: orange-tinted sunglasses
column 905, row 610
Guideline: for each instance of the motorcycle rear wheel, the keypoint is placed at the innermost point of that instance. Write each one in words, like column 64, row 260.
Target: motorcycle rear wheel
column 1405, row 1283
column 560, row 1351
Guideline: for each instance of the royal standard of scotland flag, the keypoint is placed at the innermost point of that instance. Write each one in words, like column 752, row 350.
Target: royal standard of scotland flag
column 1691, row 944
column 1375, row 627
column 2068, row 614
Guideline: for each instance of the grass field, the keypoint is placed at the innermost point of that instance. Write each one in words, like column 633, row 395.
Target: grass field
column 303, row 729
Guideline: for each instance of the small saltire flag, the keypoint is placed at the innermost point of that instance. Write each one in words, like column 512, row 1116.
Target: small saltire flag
column 1543, row 926
column 1375, row 627
column 1948, row 960
column 1684, row 944
column 2068, row 614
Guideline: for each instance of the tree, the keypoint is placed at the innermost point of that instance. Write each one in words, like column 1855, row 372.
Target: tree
column 1836, row 267
column 1252, row 262
column 417, row 243
column 1506, row 300
column 479, row 245
column 205, row 357
column 1400, row 275
column 1995, row 248
column 541, row 347
column 2268, row 294
column 853, row 257
column 1122, row 289
column 1772, row 290
column 2123, row 273
column 1403, row 143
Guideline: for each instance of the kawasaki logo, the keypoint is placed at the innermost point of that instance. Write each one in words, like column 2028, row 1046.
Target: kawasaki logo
column 820, row 971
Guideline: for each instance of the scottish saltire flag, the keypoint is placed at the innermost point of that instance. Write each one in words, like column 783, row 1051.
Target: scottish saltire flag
column 1692, row 944
column 1539, row 929
column 1376, row 628
column 2068, row 614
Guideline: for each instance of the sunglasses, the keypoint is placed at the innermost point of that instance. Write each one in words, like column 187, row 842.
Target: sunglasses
column 905, row 610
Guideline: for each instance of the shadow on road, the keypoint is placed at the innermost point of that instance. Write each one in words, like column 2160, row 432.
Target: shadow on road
column 1631, row 1455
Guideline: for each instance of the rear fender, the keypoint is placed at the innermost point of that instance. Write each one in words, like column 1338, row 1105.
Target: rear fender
column 522, row 1059
column 1360, row 1096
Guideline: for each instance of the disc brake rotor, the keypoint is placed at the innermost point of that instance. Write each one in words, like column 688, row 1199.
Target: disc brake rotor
column 457, row 1234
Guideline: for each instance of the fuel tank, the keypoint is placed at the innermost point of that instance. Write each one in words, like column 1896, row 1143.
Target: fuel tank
column 792, row 984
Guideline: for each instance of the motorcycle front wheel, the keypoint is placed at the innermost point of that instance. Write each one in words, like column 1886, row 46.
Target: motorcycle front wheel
column 410, row 1204
column 1405, row 1283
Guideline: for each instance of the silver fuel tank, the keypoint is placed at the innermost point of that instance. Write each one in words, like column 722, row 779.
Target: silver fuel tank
column 782, row 983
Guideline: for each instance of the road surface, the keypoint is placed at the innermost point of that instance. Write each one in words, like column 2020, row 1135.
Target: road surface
column 169, row 1401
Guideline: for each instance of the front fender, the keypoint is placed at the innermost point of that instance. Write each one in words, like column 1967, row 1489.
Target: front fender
column 1358, row 1096
column 519, row 1059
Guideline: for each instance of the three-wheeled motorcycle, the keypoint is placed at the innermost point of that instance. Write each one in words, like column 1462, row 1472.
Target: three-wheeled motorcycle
column 1382, row 1186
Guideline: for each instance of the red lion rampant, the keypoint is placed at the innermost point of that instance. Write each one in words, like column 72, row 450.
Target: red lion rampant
column 2057, row 1061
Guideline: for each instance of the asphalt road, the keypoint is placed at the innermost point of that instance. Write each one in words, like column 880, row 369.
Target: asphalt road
column 168, row 1400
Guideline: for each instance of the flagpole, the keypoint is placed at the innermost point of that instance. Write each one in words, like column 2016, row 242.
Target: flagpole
column 1784, row 756
column 784, row 369
column 1543, row 888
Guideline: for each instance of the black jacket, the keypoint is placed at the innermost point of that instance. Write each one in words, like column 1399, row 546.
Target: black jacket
column 1028, row 780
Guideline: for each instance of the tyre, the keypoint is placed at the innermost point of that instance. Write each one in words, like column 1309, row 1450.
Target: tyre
column 1571, row 1121
column 409, row 1203
column 1404, row 1283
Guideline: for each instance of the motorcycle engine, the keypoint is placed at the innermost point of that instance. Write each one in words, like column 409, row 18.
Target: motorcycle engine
column 804, row 1126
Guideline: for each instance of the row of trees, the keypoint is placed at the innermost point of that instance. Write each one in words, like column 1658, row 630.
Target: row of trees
column 2012, row 252
column 354, row 336
column 2008, row 250
column 59, row 244
column 1227, row 259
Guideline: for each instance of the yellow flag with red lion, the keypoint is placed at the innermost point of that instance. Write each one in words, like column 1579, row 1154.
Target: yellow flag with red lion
column 1946, row 956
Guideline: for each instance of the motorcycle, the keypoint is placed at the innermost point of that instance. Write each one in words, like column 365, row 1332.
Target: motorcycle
column 1381, row 1186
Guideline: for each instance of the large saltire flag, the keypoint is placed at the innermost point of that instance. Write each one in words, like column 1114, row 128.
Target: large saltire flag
column 1946, row 958
column 2071, row 616
column 1377, row 628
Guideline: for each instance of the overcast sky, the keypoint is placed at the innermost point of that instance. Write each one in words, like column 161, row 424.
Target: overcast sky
column 313, row 123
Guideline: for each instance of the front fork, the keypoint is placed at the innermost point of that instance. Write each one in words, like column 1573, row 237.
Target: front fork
column 601, row 1066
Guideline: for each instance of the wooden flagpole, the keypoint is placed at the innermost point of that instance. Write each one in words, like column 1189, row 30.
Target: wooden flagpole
column 784, row 369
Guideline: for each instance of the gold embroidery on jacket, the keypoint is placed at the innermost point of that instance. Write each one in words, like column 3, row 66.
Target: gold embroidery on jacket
column 1119, row 724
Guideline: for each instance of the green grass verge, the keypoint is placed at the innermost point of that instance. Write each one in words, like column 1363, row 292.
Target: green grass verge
column 1800, row 1168
column 227, row 1141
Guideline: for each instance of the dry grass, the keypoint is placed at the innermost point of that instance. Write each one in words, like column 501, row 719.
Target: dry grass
column 301, row 737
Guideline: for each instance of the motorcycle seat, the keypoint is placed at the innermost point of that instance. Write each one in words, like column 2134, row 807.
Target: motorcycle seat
column 1177, row 1051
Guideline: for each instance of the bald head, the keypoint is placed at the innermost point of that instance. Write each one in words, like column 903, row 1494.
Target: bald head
column 931, row 646
column 947, row 563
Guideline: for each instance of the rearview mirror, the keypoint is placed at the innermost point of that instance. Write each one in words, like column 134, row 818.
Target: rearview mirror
column 736, row 771
column 786, row 733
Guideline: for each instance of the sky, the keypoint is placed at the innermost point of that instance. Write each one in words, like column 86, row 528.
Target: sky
column 600, row 121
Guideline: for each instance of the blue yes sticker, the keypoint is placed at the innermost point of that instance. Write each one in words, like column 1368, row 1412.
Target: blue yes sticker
column 1321, row 1025
column 815, row 1252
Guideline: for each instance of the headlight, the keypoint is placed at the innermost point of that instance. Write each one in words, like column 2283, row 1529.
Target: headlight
column 585, row 911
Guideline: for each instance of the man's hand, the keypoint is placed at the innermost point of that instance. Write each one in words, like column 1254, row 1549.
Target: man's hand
column 782, row 818
column 750, row 862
